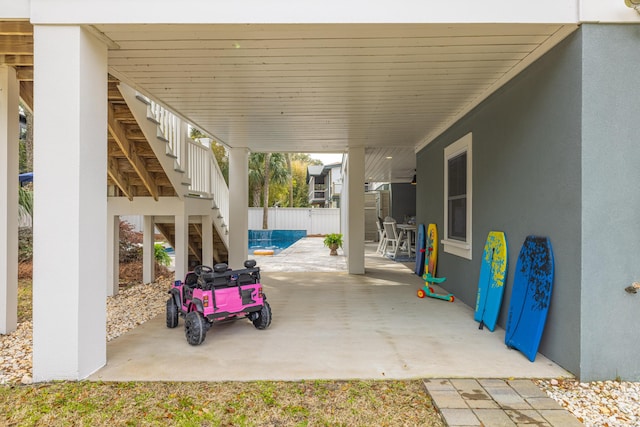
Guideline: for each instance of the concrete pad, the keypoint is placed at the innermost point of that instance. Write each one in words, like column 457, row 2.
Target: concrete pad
column 329, row 325
column 539, row 403
column 494, row 418
column 448, row 399
column 560, row 418
column 460, row 417
column 527, row 388
column 525, row 416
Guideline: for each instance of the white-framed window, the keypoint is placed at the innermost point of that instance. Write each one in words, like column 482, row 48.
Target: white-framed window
column 457, row 197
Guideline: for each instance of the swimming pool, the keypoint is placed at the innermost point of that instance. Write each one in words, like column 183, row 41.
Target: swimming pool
column 276, row 240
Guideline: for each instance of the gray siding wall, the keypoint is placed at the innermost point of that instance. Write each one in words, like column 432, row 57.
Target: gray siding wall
column 526, row 180
column 611, row 201
column 403, row 201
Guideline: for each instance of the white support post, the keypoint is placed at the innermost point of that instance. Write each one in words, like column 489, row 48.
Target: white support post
column 70, row 223
column 148, row 250
column 238, row 206
column 182, row 245
column 184, row 146
column 9, row 136
column 355, row 220
column 113, row 254
column 207, row 240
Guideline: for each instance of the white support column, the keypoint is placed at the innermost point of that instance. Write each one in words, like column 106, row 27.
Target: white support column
column 182, row 245
column 207, row 240
column 70, row 224
column 113, row 254
column 355, row 220
column 184, row 146
column 238, row 206
column 148, row 250
column 9, row 136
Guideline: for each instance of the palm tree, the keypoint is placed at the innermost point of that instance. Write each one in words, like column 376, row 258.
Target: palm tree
column 265, row 169
column 290, row 169
column 265, row 188
column 256, row 177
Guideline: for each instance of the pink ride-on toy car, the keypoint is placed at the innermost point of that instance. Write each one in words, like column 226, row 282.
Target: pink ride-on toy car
column 209, row 296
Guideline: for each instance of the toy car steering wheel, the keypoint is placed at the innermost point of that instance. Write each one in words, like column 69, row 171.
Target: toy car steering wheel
column 199, row 269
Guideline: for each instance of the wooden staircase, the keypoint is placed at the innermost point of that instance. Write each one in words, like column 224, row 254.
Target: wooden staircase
column 139, row 167
column 143, row 159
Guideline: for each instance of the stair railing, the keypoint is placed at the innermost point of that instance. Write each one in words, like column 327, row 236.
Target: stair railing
column 172, row 129
column 193, row 158
column 206, row 177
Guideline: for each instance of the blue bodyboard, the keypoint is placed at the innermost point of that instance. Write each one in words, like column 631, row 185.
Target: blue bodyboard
column 531, row 296
column 420, row 252
column 493, row 273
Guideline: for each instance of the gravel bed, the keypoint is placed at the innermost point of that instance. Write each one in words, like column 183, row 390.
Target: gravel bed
column 126, row 310
column 600, row 403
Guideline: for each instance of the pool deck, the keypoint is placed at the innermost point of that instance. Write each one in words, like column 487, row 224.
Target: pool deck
column 303, row 256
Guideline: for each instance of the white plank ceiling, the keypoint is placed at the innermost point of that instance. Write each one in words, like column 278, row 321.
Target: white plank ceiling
column 389, row 88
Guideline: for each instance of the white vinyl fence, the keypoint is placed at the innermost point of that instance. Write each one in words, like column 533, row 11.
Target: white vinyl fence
column 315, row 221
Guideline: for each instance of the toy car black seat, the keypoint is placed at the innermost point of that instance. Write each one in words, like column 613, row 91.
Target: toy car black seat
column 246, row 278
column 220, row 277
column 191, row 280
column 221, row 268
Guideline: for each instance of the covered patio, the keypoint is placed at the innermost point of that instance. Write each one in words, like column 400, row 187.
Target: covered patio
column 329, row 325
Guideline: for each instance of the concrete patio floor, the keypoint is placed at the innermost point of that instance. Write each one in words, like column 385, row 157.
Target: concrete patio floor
column 328, row 325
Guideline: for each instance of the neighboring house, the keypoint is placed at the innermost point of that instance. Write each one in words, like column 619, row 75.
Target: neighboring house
column 325, row 185
column 530, row 109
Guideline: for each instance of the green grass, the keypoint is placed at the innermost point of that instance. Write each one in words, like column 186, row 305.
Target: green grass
column 264, row 403
column 259, row 403
column 25, row 297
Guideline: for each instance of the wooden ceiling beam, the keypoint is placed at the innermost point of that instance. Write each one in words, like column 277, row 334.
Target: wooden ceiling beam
column 23, row 28
column 17, row 60
column 166, row 233
column 198, row 229
column 119, row 135
column 119, row 179
column 195, row 251
column 24, row 74
column 26, row 94
column 16, row 45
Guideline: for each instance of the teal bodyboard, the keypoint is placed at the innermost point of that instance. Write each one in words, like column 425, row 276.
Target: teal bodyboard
column 493, row 272
column 420, row 250
column 531, row 296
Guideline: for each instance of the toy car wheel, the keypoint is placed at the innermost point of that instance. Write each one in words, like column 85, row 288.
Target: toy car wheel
column 421, row 293
column 172, row 313
column 264, row 317
column 194, row 328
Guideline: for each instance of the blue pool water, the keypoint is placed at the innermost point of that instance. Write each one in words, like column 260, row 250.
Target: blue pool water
column 276, row 240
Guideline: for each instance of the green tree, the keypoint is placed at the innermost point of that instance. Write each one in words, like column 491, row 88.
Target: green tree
column 290, row 169
column 222, row 158
column 266, row 169
column 256, row 178
column 299, row 180
column 218, row 150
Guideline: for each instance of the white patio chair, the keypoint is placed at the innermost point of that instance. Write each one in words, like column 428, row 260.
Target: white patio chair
column 382, row 238
column 394, row 239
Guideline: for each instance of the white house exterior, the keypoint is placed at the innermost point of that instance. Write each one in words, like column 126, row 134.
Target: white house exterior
column 548, row 91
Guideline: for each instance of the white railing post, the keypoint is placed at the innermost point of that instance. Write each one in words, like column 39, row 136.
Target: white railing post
column 195, row 159
column 183, row 137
